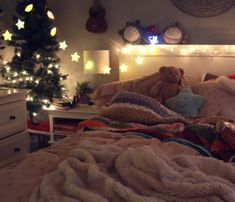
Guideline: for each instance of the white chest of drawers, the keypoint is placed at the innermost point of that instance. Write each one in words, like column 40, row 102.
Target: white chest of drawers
column 14, row 138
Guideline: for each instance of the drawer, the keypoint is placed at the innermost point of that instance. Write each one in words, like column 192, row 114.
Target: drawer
column 14, row 147
column 13, row 118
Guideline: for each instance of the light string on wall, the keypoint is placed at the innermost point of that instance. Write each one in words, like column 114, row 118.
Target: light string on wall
column 139, row 52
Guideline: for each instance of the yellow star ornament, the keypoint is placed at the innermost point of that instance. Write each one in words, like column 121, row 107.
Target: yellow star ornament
column 63, row 45
column 75, row 57
column 7, row 35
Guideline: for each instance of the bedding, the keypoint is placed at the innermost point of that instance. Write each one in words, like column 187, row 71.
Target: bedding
column 136, row 170
column 132, row 162
column 218, row 102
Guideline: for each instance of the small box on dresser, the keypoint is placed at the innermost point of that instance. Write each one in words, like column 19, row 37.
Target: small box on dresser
column 14, row 138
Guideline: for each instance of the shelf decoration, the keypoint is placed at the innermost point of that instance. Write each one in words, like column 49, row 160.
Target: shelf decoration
column 134, row 33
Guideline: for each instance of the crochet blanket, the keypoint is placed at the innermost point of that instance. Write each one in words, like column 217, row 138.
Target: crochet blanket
column 100, row 171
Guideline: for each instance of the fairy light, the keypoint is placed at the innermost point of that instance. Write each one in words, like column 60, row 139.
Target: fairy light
column 24, row 72
column 50, row 66
column 123, row 68
column 34, row 114
column 139, row 60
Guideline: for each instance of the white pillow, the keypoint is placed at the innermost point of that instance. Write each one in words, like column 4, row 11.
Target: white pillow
column 226, row 84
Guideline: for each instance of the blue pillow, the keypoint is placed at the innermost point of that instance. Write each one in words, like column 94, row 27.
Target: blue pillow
column 185, row 103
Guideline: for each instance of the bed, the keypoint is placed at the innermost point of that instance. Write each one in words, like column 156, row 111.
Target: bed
column 146, row 153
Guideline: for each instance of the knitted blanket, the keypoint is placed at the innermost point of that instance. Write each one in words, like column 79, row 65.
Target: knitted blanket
column 137, row 170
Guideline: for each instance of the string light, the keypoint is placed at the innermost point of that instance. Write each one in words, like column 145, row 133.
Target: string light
column 29, row 8
column 50, row 15
column 53, row 31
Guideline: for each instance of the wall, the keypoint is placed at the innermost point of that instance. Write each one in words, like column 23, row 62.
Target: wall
column 71, row 16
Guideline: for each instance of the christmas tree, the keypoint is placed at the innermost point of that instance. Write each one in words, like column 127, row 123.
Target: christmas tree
column 2, row 44
column 35, row 65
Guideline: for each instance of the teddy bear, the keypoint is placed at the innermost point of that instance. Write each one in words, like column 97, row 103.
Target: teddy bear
column 169, row 84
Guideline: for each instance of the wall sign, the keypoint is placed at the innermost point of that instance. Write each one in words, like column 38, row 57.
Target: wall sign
column 204, row 8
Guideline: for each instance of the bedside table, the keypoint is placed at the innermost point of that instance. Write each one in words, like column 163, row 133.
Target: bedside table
column 81, row 112
column 14, row 137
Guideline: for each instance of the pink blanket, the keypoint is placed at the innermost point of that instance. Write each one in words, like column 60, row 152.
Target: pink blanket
column 108, row 167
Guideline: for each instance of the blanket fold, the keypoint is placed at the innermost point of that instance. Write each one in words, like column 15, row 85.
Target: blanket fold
column 148, row 172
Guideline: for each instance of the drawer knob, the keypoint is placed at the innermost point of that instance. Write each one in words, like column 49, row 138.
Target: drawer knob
column 17, row 149
column 12, row 117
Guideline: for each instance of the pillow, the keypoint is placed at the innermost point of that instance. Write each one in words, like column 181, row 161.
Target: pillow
column 133, row 107
column 185, row 103
column 217, row 101
column 226, row 84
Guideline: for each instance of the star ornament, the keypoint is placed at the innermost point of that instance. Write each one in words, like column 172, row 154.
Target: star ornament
column 106, row 70
column 123, row 68
column 75, row 57
column 20, row 24
column 63, row 45
column 7, row 36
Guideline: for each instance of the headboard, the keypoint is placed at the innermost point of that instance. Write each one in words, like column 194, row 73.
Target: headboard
column 138, row 60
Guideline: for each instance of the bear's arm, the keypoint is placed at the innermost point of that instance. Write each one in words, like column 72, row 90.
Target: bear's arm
column 155, row 90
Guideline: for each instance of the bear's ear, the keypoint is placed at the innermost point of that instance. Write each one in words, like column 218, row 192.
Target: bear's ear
column 162, row 69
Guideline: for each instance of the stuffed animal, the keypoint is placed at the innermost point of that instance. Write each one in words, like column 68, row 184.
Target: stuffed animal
column 134, row 33
column 169, row 84
column 175, row 34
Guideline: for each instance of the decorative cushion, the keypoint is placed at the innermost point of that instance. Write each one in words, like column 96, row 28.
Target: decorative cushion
column 226, row 84
column 185, row 103
column 217, row 101
column 142, row 100
column 133, row 107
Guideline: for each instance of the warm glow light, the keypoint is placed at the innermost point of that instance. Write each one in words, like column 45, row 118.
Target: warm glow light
column 50, row 15
column 20, row 24
column 90, row 65
column 139, row 60
column 29, row 8
column 123, row 68
column 75, row 57
column 53, row 31
column 7, row 35
column 184, row 50
column 63, row 45
column 106, row 70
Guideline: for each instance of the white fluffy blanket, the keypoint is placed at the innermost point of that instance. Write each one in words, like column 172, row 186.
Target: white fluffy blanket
column 226, row 84
column 101, row 171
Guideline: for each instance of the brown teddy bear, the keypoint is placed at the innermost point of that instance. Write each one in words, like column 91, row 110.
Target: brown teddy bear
column 169, row 85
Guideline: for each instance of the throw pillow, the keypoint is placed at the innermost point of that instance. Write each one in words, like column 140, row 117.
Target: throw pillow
column 185, row 103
